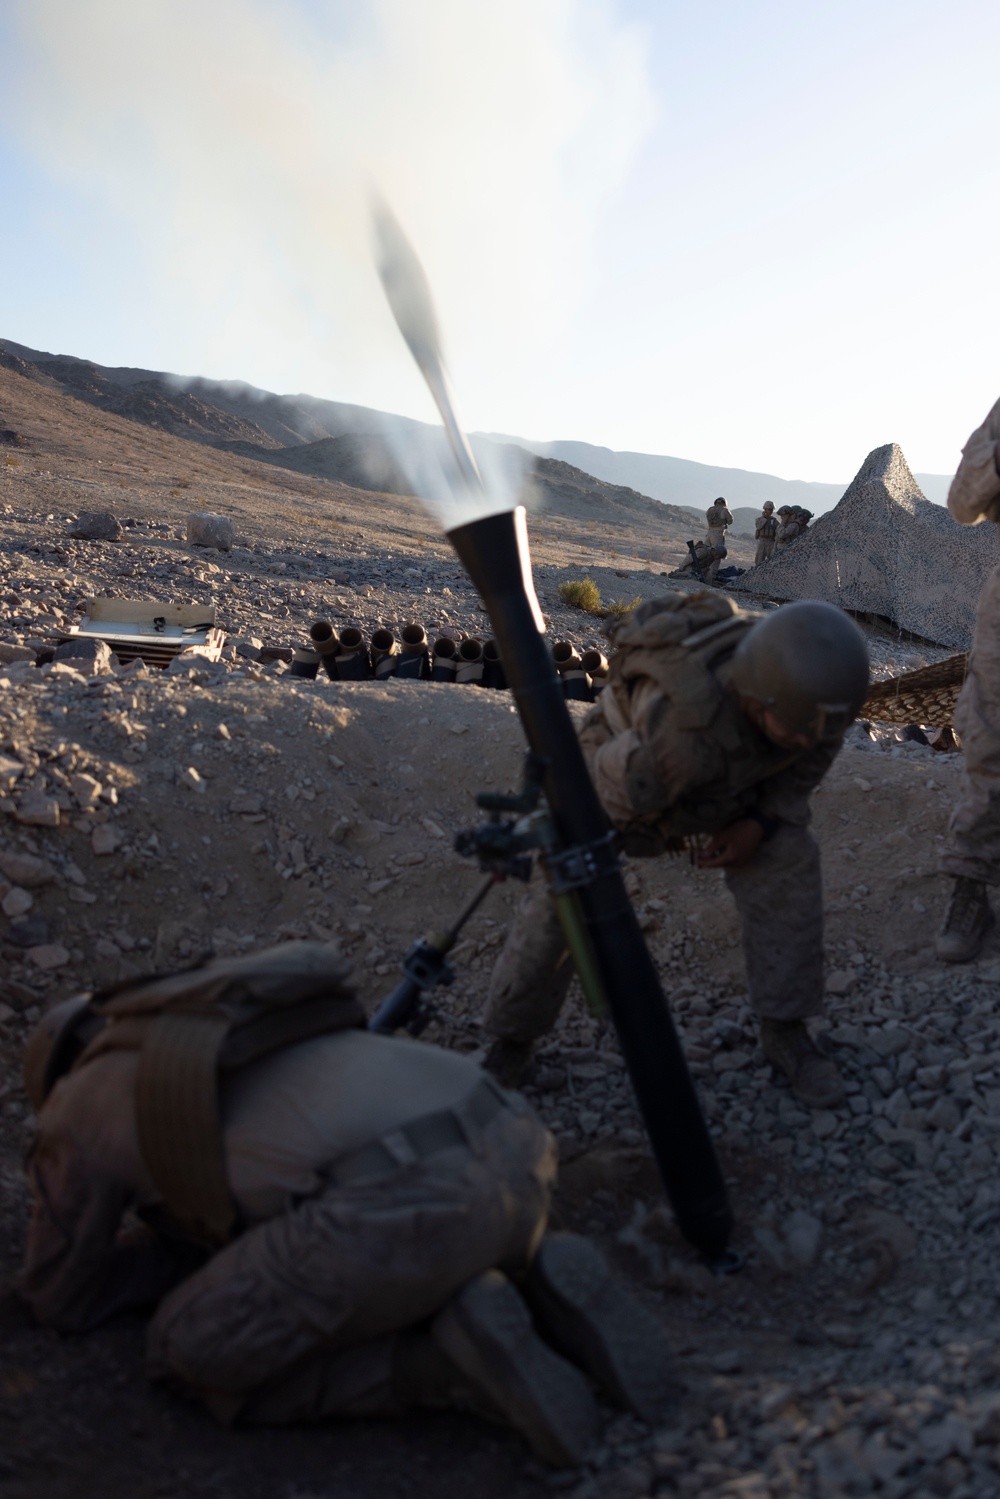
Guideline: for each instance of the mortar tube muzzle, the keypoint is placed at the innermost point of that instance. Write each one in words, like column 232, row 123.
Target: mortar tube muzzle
column 385, row 653
column 305, row 663
column 595, row 664
column 325, row 642
column 570, row 668
column 470, row 664
column 353, row 664
column 414, row 661
column 445, row 663
column 493, row 672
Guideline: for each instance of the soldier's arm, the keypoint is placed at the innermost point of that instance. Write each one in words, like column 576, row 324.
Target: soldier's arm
column 975, row 490
column 785, row 796
column 77, row 1269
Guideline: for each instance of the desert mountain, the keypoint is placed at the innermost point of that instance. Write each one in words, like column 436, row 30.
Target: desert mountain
column 217, row 411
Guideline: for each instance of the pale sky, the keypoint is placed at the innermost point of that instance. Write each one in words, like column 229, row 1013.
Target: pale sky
column 752, row 234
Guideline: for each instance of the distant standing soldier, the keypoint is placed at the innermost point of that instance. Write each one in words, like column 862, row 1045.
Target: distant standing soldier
column 718, row 518
column 765, row 529
column 972, row 855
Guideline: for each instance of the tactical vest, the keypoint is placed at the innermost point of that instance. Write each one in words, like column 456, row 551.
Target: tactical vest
column 680, row 642
column 193, row 1027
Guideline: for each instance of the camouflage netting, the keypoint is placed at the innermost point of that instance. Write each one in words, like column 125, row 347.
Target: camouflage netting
column 886, row 550
column 925, row 696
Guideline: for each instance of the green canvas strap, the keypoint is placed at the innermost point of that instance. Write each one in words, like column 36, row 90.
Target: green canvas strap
column 179, row 1122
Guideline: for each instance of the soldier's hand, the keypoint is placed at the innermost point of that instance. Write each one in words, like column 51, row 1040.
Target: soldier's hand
column 733, row 847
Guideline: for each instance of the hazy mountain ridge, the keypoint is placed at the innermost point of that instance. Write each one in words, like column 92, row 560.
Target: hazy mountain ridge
column 221, row 411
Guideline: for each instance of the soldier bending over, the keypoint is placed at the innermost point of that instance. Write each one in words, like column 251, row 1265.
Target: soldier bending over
column 337, row 1223
column 719, row 722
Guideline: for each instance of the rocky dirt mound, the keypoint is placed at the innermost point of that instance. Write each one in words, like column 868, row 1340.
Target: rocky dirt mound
column 886, row 550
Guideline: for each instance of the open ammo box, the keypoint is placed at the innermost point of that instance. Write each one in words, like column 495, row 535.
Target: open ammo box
column 156, row 632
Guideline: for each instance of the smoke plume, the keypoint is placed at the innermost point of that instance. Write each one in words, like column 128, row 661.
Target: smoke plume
column 230, row 145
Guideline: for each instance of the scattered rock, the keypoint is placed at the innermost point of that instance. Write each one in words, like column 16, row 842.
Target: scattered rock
column 104, row 839
column 206, row 530
column 95, row 525
column 36, row 810
column 48, row 956
column 9, row 651
column 89, row 656
column 17, row 902
column 26, row 869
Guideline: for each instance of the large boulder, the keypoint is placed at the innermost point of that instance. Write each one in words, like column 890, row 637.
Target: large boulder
column 204, row 530
column 96, row 525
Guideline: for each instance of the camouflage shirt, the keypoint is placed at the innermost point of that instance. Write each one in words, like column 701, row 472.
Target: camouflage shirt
column 670, row 750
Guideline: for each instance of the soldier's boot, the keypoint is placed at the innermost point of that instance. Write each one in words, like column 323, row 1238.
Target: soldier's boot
column 509, row 1061
column 487, row 1332
column 590, row 1316
column 815, row 1078
column 967, row 921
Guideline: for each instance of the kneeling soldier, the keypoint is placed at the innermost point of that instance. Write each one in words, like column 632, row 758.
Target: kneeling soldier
column 719, row 722
column 336, row 1223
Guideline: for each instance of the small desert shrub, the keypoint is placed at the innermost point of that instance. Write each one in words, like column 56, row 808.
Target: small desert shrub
column 582, row 593
column 620, row 607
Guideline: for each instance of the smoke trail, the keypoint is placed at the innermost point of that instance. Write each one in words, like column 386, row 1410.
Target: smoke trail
column 232, row 142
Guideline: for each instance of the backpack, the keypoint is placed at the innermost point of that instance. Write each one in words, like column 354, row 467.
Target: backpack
column 193, row 1026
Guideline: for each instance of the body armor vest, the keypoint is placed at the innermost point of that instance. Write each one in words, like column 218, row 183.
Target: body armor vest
column 681, row 647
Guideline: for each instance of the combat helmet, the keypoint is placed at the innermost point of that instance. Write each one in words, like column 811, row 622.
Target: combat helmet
column 55, row 1043
column 808, row 663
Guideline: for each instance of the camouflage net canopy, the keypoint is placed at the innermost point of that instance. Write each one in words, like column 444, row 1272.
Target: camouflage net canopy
column 886, row 550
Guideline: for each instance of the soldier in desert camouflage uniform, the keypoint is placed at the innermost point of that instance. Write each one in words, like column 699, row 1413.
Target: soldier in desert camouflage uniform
column 788, row 528
column 718, row 519
column 719, row 722
column 972, row 856
column 328, row 1222
column 765, row 530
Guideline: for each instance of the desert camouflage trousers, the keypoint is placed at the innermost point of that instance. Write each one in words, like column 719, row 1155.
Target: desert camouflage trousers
column 300, row 1317
column 973, row 847
column 765, row 550
column 779, row 897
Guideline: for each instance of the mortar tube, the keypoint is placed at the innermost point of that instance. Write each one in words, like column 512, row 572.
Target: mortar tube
column 570, row 668
column 595, row 664
column 413, row 658
column 494, row 552
column 384, row 652
column 324, row 639
column 470, row 664
column 353, row 664
column 493, row 672
column 445, row 662
column 305, row 663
